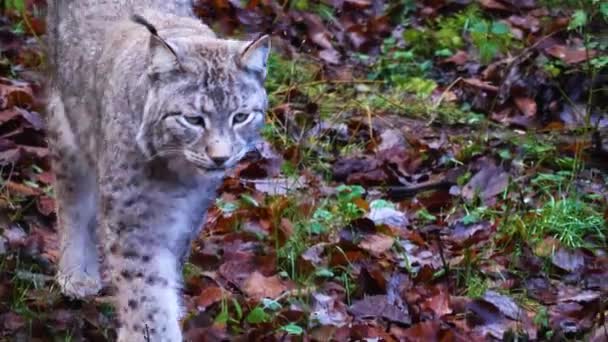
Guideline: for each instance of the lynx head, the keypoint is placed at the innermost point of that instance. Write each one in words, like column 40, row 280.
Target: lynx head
column 206, row 100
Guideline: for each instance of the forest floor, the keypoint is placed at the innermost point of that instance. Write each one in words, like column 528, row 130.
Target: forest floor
column 432, row 171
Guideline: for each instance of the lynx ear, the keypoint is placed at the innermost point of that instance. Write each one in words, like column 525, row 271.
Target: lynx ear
column 163, row 56
column 255, row 55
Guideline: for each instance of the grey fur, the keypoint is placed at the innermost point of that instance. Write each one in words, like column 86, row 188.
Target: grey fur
column 141, row 128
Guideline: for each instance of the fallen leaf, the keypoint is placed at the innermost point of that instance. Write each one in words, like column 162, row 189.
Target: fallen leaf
column 13, row 93
column 377, row 244
column 487, row 183
column 313, row 254
column 424, row 331
column 22, row 189
column 568, row 260
column 570, row 55
column 45, row 205
column 477, row 83
column 493, row 5
column 209, row 296
column 328, row 311
column 389, row 216
column 378, row 306
column 505, row 304
column 258, row 286
column 468, row 234
column 526, row 105
column 459, row 58
column 12, row 322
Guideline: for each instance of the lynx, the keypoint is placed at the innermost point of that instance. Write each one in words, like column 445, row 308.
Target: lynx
column 147, row 110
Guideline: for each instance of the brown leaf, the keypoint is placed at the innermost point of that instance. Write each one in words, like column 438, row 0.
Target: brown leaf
column 39, row 152
column 258, row 287
column 568, row 260
column 14, row 94
column 526, row 105
column 546, row 247
column 22, row 189
column 12, row 322
column 45, row 205
column 599, row 334
column 570, row 317
column 378, row 306
column 238, row 270
column 313, row 254
column 10, row 156
column 209, row 296
column 317, row 32
column 8, row 114
column 528, row 22
column 328, row 311
column 330, row 56
column 369, row 332
column 541, row 290
column 43, row 243
column 389, row 217
column 576, row 294
column 359, row 3
column 505, row 304
column 47, row 177
column 468, row 234
column 437, row 302
column 570, row 55
column 459, row 58
column 423, row 331
column 493, row 5
column 487, row 183
column 477, row 83
column 486, row 318
column 377, row 244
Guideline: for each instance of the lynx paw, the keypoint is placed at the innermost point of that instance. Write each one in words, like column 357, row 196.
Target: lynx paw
column 78, row 285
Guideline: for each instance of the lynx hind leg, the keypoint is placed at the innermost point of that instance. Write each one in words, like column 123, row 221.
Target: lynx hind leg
column 78, row 269
column 147, row 284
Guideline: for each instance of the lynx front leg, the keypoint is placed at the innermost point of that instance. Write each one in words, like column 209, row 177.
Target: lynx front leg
column 78, row 269
column 147, row 284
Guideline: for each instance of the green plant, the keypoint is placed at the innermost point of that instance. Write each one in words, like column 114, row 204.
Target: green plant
column 15, row 5
column 452, row 28
column 325, row 11
column 292, row 329
column 401, row 68
column 584, row 13
column 570, row 220
column 331, row 214
column 537, row 150
column 229, row 317
column 446, row 35
column 489, row 37
column 468, row 274
column 284, row 74
column 476, row 286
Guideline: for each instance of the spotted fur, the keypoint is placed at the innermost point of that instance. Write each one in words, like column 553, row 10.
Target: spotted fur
column 145, row 116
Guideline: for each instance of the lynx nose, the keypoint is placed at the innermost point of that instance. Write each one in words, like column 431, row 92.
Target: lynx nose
column 218, row 150
column 219, row 161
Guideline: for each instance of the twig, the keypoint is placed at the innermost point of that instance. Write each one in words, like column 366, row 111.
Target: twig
column 370, row 126
column 440, row 99
column 407, row 191
column 446, row 266
column 523, row 55
column 315, row 83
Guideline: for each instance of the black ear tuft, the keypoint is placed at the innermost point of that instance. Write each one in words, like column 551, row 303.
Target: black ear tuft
column 164, row 56
column 142, row 21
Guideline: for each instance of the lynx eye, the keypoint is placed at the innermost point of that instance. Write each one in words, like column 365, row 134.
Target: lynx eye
column 195, row 120
column 239, row 118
